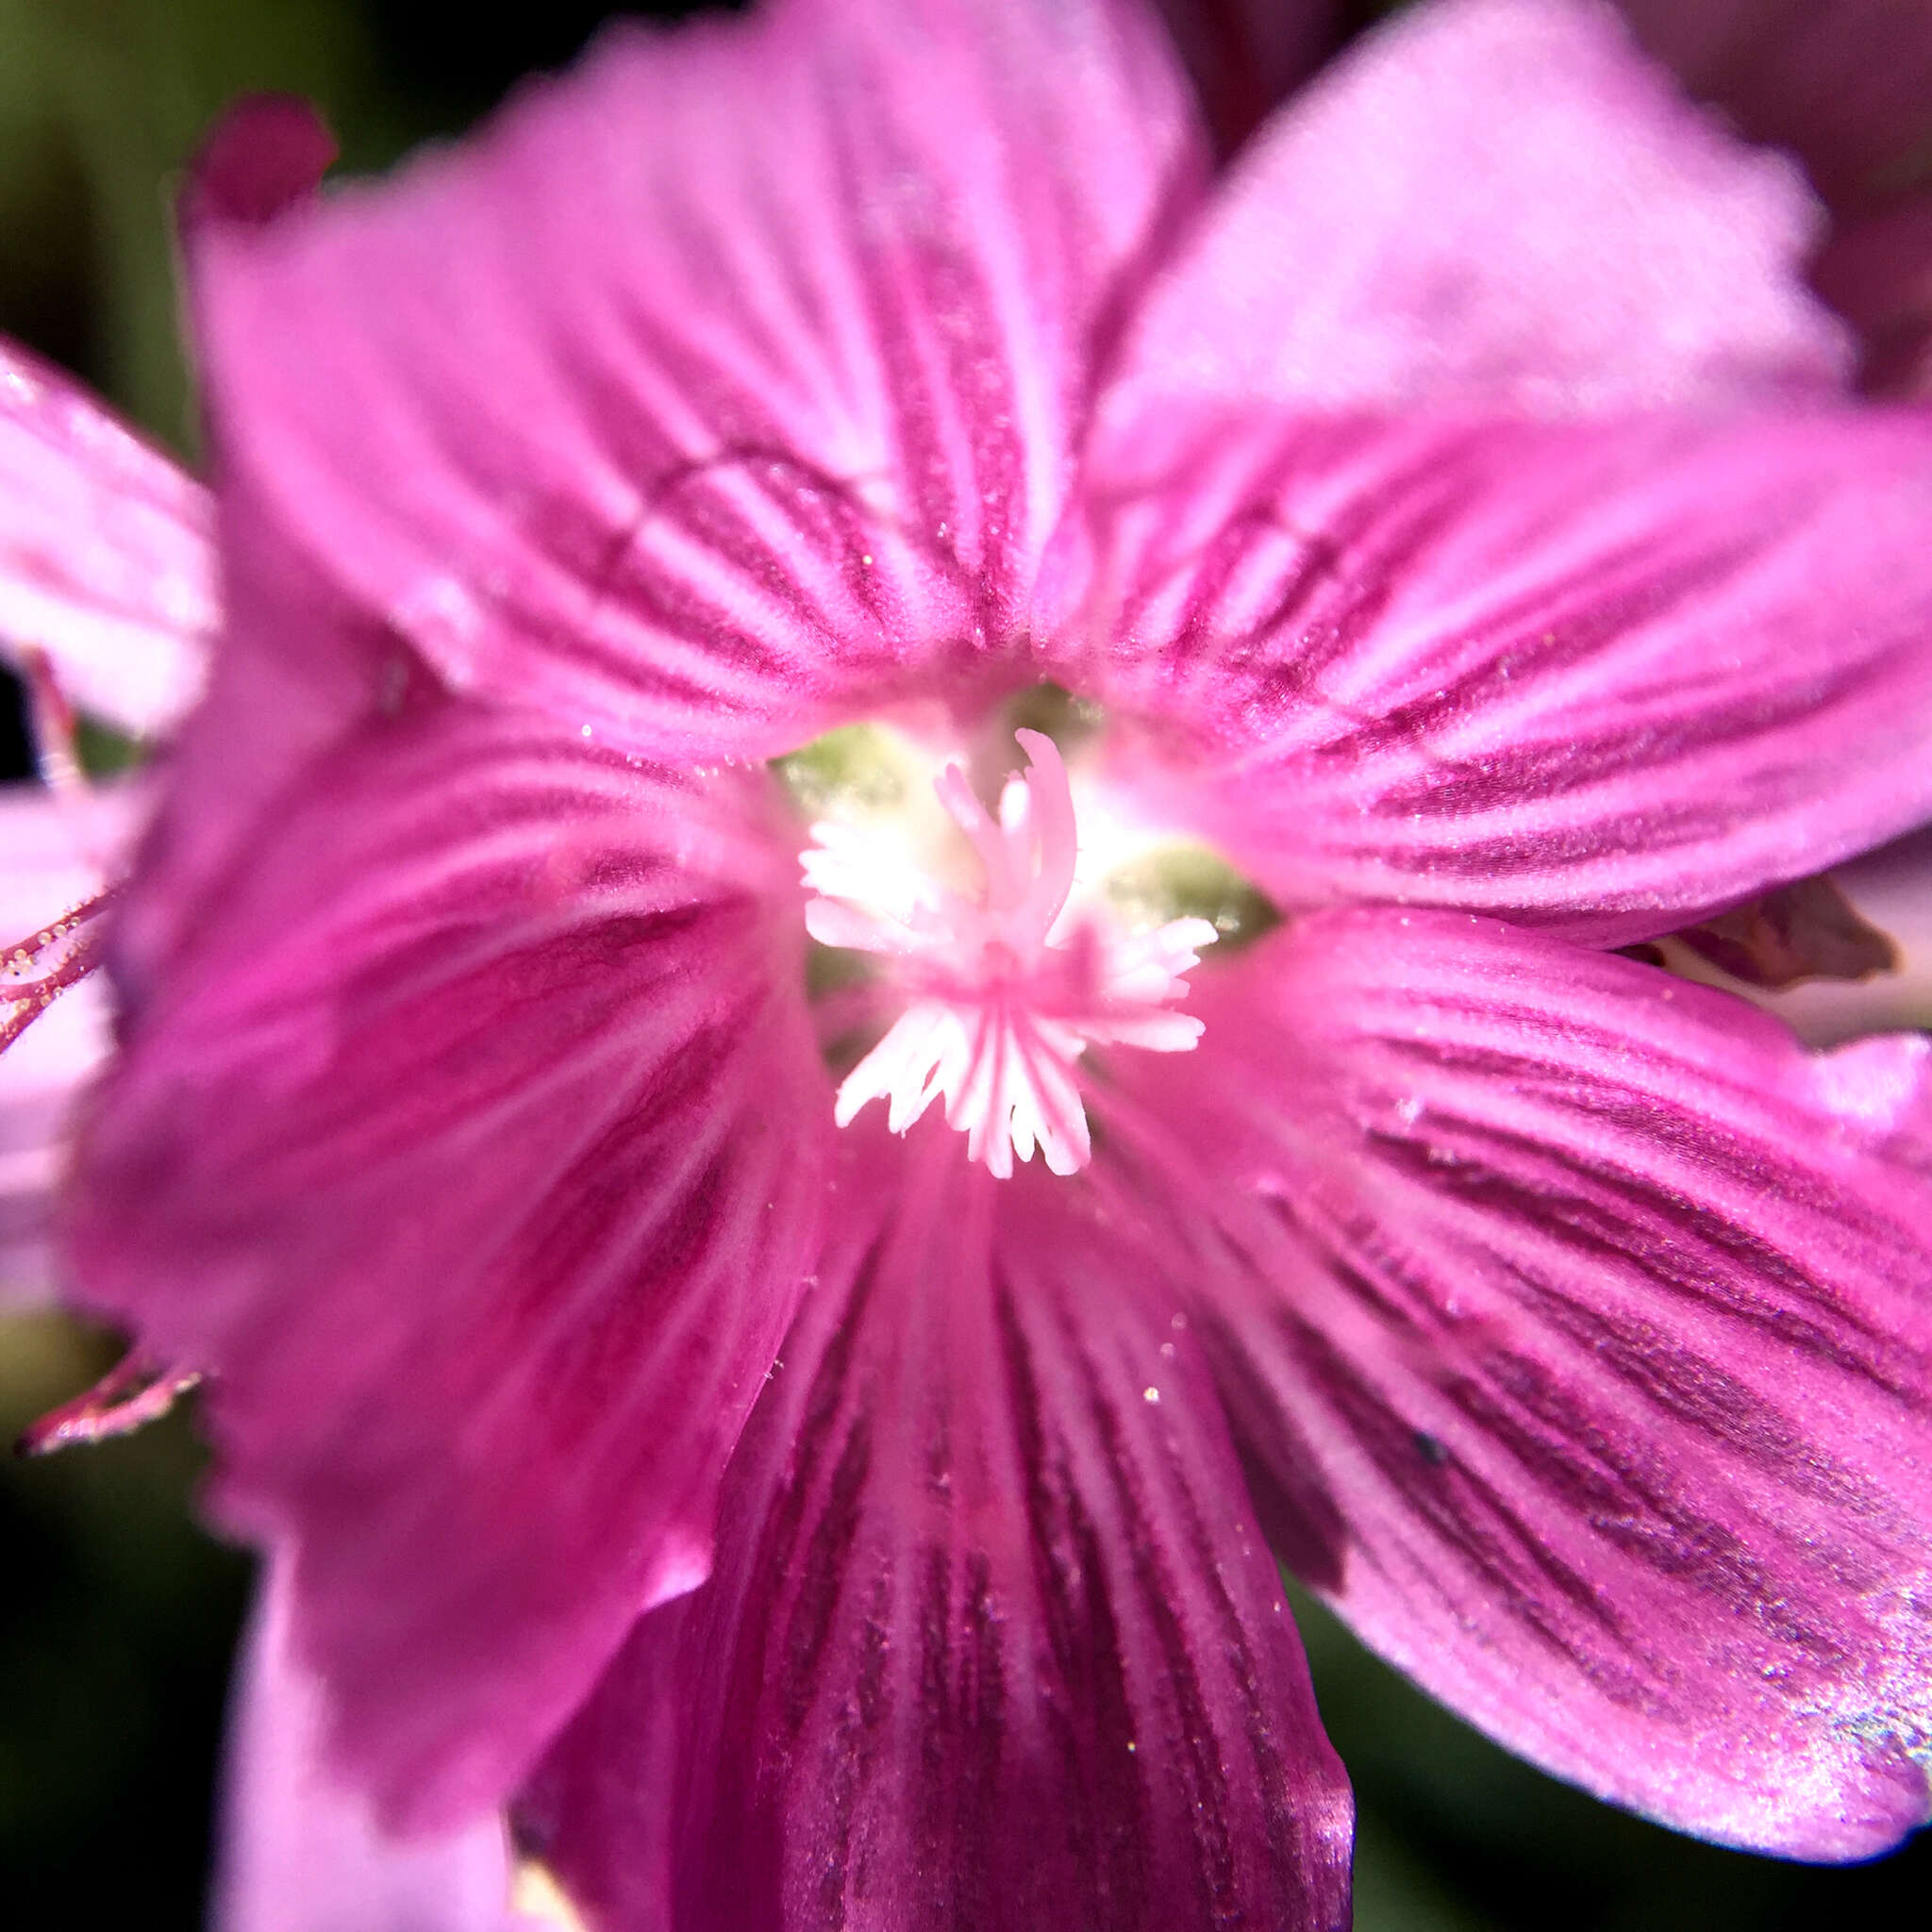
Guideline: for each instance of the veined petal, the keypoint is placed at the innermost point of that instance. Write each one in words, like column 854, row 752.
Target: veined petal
column 476, row 1156
column 55, row 854
column 106, row 552
column 302, row 1851
column 693, row 437
column 1605, row 676
column 992, row 1640
column 1492, row 203
column 297, row 675
column 1578, row 1322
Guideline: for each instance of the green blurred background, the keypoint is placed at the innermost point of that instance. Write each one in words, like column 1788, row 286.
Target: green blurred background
column 119, row 1616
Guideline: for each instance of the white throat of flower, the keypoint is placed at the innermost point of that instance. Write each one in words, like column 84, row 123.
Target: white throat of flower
column 1006, row 986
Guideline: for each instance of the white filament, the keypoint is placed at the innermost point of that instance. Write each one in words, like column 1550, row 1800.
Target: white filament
column 1005, row 988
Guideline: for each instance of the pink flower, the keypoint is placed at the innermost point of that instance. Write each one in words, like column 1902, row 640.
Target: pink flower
column 1451, row 521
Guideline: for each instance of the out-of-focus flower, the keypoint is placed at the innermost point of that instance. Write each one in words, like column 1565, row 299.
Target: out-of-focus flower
column 305, row 1852
column 1454, row 536
column 107, row 603
column 48, row 873
column 1846, row 85
column 1843, row 85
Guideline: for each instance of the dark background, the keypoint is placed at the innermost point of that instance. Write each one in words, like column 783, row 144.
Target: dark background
column 118, row 1617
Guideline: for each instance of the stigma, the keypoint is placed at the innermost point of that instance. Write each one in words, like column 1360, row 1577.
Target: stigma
column 1002, row 980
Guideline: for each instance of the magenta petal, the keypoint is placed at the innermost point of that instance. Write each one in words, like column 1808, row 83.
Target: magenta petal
column 694, row 437
column 473, row 1149
column 1602, row 676
column 598, row 1814
column 992, row 1639
column 1588, row 1316
column 297, row 675
column 1493, row 202
column 106, row 552
column 302, row 1852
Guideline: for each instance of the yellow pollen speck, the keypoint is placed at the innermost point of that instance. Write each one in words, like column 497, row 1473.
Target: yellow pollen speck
column 1150, row 1396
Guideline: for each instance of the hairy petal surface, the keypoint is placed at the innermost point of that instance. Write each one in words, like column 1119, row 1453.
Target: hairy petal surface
column 1594, row 675
column 1493, row 202
column 992, row 1639
column 1580, row 1323
column 106, row 552
column 476, row 1158
column 302, row 1851
column 693, row 438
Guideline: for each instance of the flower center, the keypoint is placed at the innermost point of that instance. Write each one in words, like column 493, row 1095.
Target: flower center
column 1006, row 978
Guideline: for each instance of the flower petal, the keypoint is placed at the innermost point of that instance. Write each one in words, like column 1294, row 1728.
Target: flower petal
column 106, row 552
column 1607, row 677
column 474, row 1150
column 992, row 1640
column 54, row 855
column 690, row 437
column 303, row 1852
column 297, row 675
column 1584, row 1317
column 1493, row 202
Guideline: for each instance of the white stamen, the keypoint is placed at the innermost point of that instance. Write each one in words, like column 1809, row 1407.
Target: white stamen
column 1006, row 986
